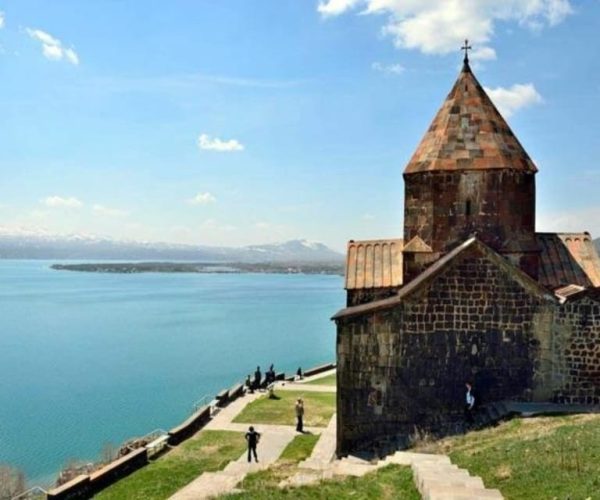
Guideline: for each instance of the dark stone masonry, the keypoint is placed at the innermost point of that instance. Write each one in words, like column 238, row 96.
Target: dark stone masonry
column 472, row 293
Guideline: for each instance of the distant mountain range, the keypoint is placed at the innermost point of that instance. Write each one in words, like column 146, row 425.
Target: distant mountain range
column 597, row 243
column 30, row 244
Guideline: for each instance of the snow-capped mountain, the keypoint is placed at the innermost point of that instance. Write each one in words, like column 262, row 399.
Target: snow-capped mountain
column 25, row 243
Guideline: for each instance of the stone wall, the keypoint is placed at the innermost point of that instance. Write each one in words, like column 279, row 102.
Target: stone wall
column 366, row 295
column 445, row 208
column 406, row 366
column 577, row 350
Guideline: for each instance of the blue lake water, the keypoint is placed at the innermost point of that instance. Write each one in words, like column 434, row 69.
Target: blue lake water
column 89, row 359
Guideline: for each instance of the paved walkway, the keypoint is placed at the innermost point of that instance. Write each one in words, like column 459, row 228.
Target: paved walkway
column 274, row 439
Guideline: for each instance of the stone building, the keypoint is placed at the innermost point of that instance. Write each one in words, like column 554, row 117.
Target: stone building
column 471, row 293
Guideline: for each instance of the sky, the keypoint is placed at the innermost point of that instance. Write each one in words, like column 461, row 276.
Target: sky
column 237, row 122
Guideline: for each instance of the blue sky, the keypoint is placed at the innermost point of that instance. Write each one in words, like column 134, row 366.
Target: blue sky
column 236, row 122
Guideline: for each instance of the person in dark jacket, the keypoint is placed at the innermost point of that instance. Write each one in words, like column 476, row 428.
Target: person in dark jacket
column 252, row 438
column 257, row 378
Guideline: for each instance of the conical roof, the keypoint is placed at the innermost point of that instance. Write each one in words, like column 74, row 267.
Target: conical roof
column 468, row 133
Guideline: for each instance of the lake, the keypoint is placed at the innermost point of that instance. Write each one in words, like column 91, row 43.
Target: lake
column 90, row 359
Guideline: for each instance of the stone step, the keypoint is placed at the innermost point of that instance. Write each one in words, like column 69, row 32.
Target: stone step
column 314, row 464
column 352, row 469
column 426, row 484
column 461, row 493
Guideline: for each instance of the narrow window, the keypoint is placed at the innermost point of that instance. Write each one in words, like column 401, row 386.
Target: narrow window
column 468, row 208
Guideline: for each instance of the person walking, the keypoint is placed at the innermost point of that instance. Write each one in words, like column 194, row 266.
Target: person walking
column 299, row 415
column 252, row 438
column 469, row 404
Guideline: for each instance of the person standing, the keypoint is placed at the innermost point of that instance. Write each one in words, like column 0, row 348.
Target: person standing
column 299, row 415
column 252, row 438
column 469, row 404
column 257, row 378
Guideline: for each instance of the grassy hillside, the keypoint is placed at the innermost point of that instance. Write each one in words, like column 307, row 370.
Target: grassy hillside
column 537, row 458
column 206, row 451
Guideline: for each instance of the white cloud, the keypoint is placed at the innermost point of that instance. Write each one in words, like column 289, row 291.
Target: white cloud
column 335, row 7
column 440, row 26
column 389, row 69
column 202, row 199
column 512, row 99
column 108, row 212
column 52, row 48
column 61, row 202
column 208, row 143
column 483, row 54
column 1, row 19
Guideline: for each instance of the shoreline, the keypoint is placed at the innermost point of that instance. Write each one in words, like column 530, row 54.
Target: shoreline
column 335, row 269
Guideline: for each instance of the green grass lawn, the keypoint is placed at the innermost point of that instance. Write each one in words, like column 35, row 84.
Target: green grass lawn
column 318, row 409
column 206, row 451
column 299, row 448
column 536, row 458
column 392, row 482
column 328, row 380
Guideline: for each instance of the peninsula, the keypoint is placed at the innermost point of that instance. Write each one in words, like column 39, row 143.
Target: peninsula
column 206, row 267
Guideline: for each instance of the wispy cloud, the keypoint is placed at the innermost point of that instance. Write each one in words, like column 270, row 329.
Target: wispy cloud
column 208, row 143
column 62, row 202
column 575, row 221
column 214, row 225
column 367, row 217
column 182, row 82
column 2, row 18
column 202, row 199
column 388, row 69
column 101, row 210
column 52, row 47
column 439, row 26
column 512, row 99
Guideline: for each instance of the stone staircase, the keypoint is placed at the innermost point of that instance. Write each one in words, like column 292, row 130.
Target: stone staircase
column 436, row 477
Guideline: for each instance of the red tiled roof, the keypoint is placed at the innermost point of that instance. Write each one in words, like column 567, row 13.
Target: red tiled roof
column 468, row 133
column 438, row 267
column 568, row 259
column 374, row 264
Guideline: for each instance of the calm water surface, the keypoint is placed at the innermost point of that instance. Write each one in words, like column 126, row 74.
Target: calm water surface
column 89, row 359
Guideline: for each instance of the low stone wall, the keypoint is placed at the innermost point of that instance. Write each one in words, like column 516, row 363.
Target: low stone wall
column 319, row 369
column 190, row 426
column 118, row 469
column 79, row 487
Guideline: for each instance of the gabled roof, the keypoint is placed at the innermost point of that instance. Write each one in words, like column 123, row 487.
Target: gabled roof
column 374, row 264
column 568, row 259
column 440, row 266
column 468, row 133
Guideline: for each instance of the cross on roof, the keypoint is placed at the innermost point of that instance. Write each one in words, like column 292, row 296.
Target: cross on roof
column 466, row 47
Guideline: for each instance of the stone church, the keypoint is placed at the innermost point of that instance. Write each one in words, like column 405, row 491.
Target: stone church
column 471, row 293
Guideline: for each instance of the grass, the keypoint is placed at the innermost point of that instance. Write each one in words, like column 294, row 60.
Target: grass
column 206, row 451
column 328, row 380
column 318, row 409
column 299, row 448
column 392, row 482
column 537, row 458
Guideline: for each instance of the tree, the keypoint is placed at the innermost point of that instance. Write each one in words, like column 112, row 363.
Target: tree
column 12, row 482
